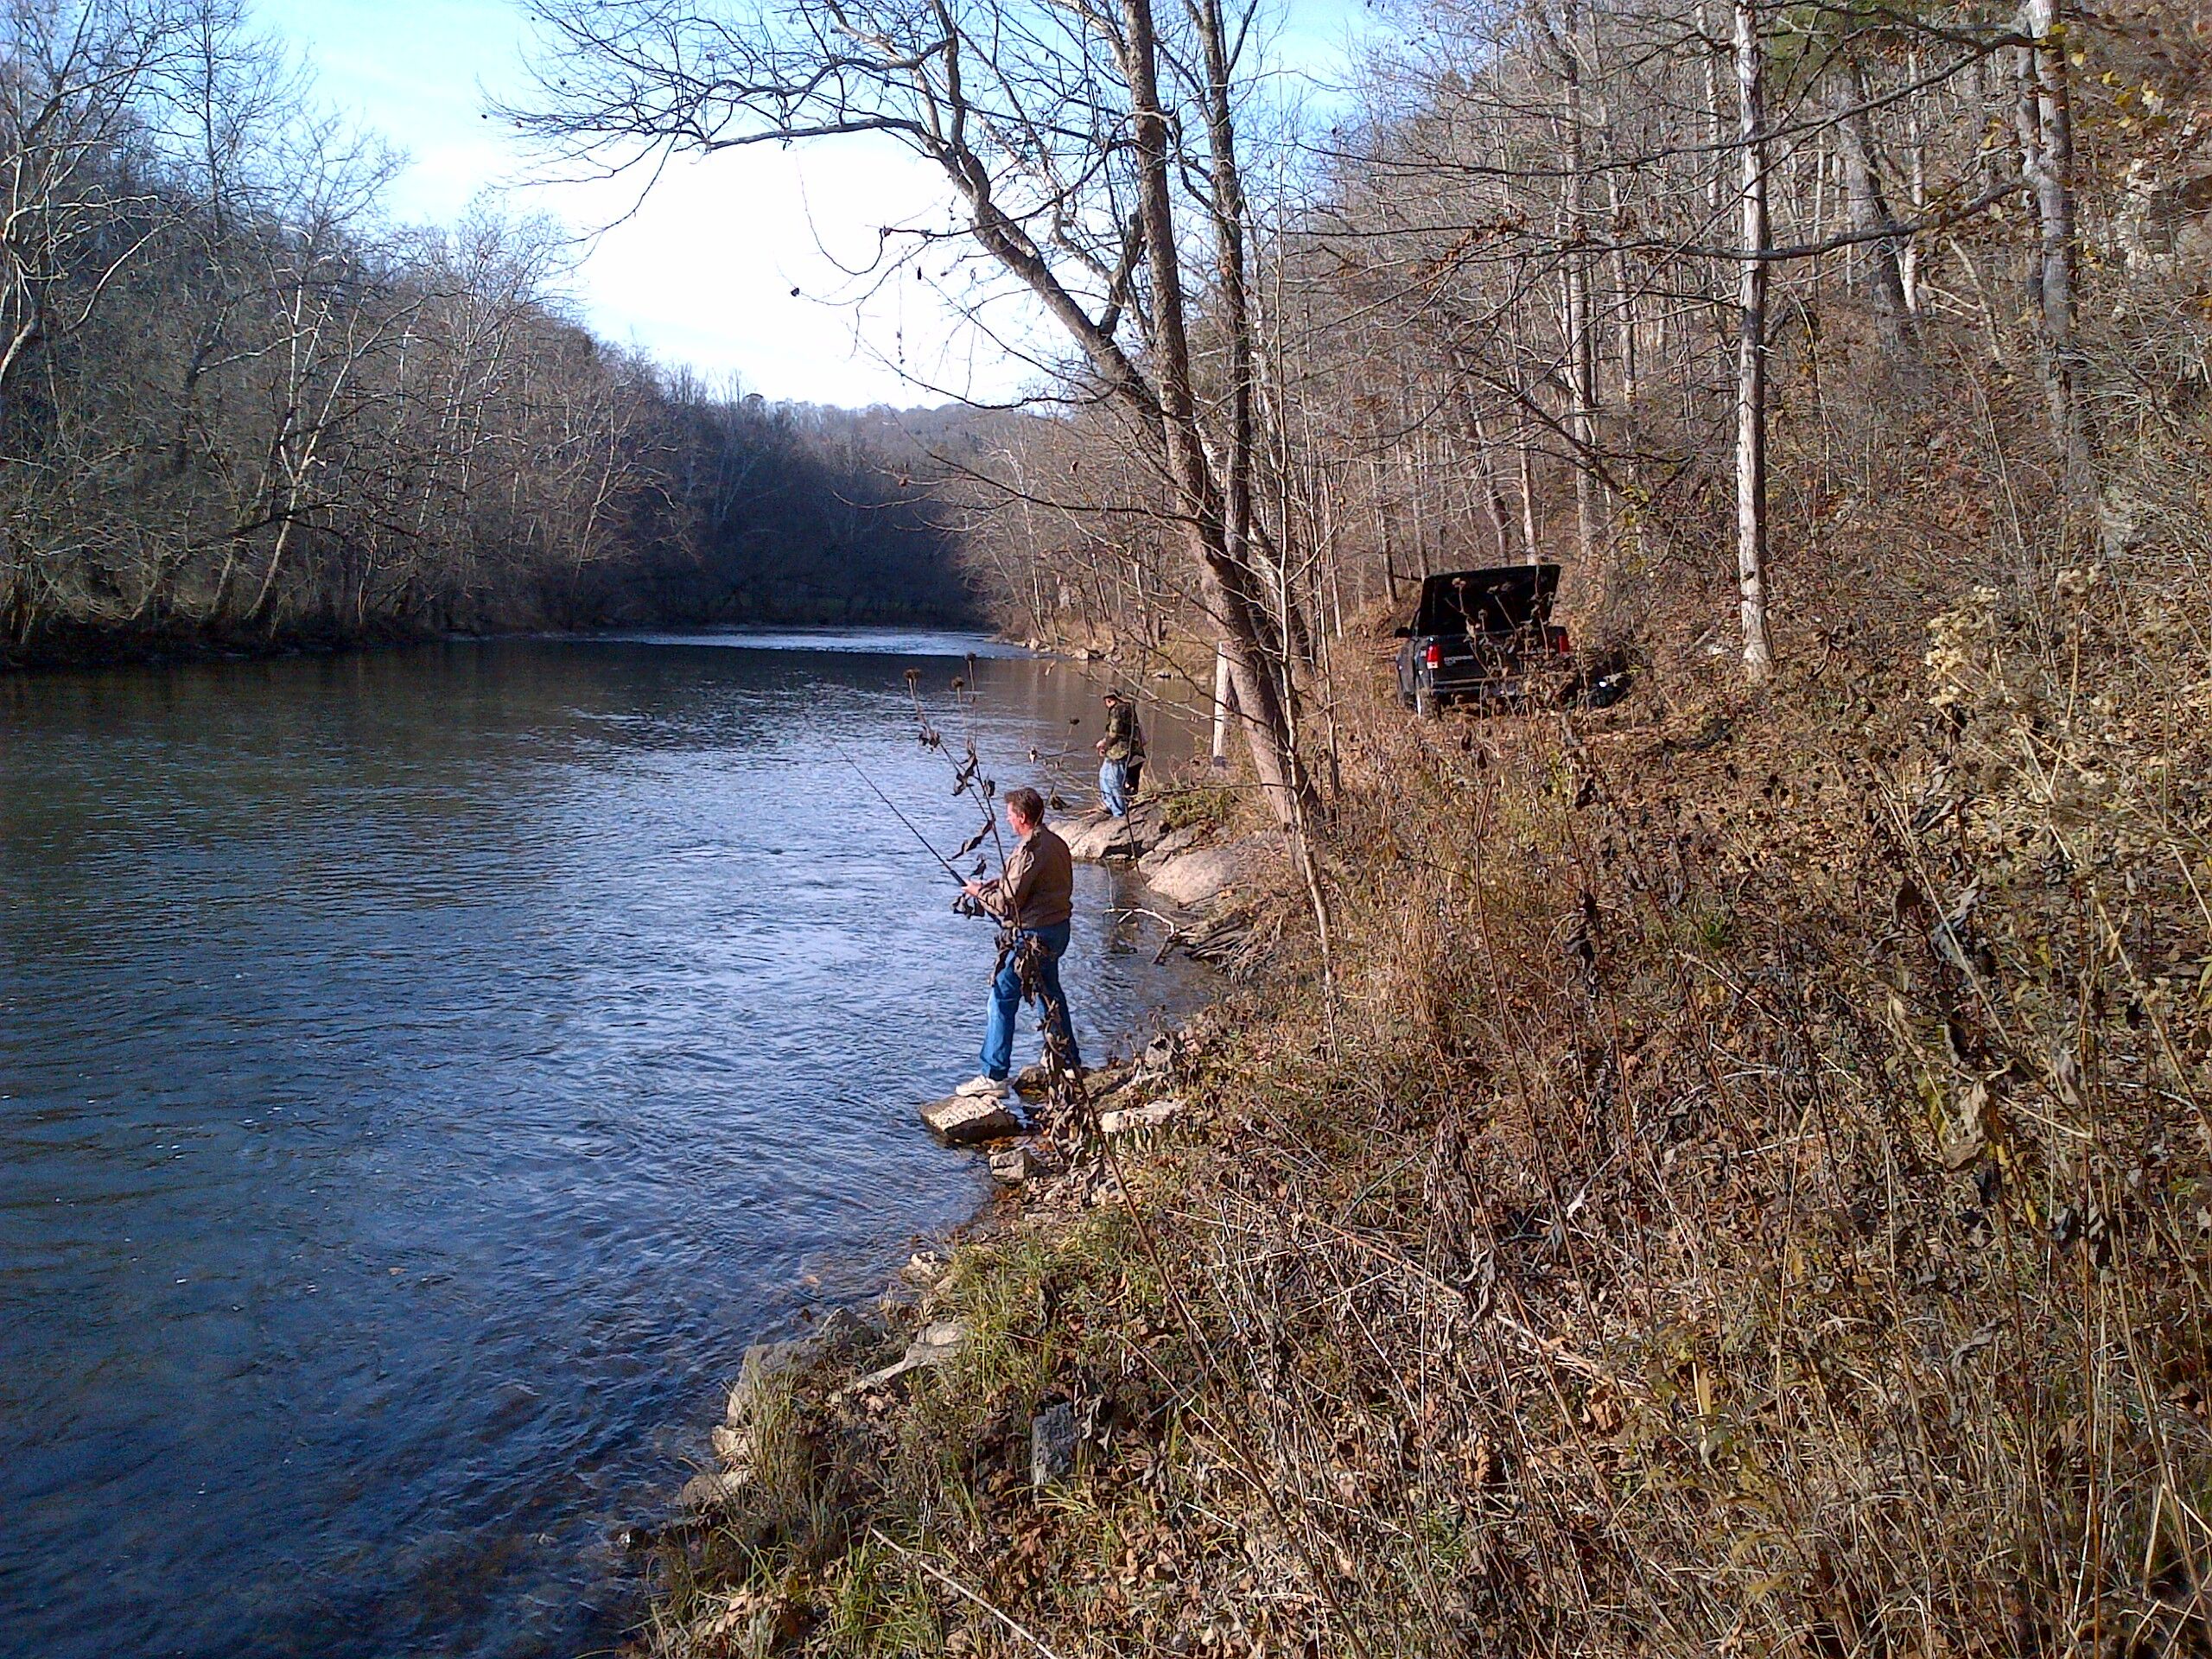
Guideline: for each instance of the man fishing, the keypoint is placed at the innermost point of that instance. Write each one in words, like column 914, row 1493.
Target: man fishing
column 1121, row 754
column 1033, row 898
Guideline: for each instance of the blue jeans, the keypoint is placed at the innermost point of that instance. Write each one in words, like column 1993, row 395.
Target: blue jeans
column 1006, row 999
column 1114, row 787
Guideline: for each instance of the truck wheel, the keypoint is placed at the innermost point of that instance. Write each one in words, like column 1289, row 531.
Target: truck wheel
column 1424, row 702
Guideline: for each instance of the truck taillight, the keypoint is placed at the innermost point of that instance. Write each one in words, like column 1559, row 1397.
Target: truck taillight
column 1433, row 656
column 1558, row 640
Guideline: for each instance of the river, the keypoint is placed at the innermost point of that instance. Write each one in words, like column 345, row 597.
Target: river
column 422, row 1072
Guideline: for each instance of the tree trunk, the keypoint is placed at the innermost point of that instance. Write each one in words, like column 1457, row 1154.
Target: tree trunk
column 1227, row 207
column 1917, row 158
column 1489, row 493
column 1882, row 256
column 1382, row 518
column 1627, row 317
column 2043, row 118
column 1227, row 590
column 1224, row 705
column 1751, row 348
column 1715, row 190
column 1581, row 337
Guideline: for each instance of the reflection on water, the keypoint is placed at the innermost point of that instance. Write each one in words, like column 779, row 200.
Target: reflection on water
column 874, row 642
column 421, row 1074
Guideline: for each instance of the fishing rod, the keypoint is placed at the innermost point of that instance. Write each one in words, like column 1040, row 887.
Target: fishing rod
column 911, row 829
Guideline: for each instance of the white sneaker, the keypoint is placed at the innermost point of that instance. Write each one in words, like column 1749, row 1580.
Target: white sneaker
column 979, row 1087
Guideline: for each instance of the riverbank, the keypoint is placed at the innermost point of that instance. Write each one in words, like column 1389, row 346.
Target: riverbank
column 1744, row 1194
column 780, row 1540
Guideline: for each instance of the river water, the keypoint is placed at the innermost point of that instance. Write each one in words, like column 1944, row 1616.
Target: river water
column 421, row 1073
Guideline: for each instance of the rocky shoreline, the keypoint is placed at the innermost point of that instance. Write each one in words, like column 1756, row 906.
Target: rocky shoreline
column 1215, row 885
column 834, row 1396
column 1580, row 1265
column 856, row 1352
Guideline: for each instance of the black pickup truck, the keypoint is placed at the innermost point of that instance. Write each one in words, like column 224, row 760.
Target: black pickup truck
column 1481, row 636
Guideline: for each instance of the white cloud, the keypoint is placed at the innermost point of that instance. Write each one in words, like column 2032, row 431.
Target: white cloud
column 704, row 271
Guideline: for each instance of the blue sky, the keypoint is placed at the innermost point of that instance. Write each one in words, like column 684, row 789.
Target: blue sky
column 702, row 273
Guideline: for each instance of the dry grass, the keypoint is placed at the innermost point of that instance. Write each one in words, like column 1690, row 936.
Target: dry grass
column 1778, row 1220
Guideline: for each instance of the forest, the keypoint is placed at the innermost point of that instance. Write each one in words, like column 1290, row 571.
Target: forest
column 1815, row 311
column 1764, row 299
column 240, row 409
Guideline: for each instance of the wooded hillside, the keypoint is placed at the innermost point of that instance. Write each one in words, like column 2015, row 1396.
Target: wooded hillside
column 1821, row 311
column 1812, row 308
column 237, row 407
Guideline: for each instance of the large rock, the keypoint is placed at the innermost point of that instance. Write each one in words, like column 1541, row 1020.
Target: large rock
column 1169, row 845
column 1018, row 1164
column 1148, row 825
column 963, row 1119
column 1106, row 1080
column 765, row 1364
column 1139, row 1117
column 1094, row 839
column 932, row 1346
column 1204, row 875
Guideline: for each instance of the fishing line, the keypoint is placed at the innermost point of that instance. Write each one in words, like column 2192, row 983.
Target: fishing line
column 861, row 772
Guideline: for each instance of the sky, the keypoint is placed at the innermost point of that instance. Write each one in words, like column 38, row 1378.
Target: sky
column 701, row 271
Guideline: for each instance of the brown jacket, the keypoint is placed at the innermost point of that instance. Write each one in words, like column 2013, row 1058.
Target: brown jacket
column 1038, row 889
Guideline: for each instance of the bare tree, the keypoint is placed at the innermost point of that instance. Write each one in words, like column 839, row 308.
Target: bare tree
column 1883, row 249
column 237, row 410
column 1049, row 124
column 78, row 206
column 2044, row 121
column 1751, row 345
